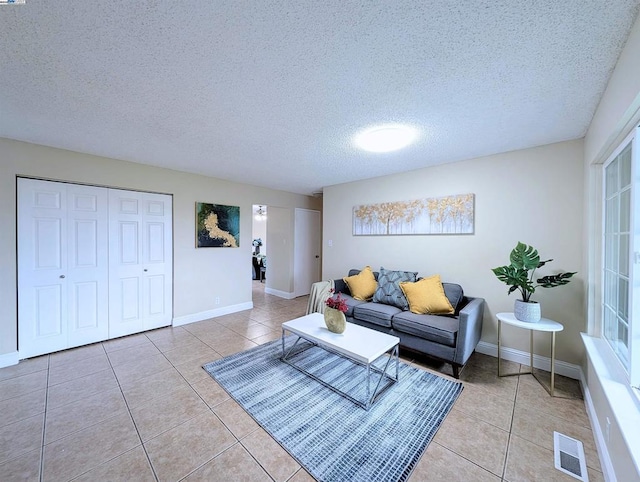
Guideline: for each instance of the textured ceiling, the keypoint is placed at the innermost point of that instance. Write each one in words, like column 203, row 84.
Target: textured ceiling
column 271, row 93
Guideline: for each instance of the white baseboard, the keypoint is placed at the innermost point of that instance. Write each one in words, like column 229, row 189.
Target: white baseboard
column 205, row 315
column 540, row 362
column 280, row 294
column 9, row 359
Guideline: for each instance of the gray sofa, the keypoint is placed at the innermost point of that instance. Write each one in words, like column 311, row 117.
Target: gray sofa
column 450, row 338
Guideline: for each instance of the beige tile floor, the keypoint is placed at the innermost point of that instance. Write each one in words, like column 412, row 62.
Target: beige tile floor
column 141, row 408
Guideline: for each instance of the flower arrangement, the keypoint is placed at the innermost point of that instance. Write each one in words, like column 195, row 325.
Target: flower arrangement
column 337, row 303
column 257, row 242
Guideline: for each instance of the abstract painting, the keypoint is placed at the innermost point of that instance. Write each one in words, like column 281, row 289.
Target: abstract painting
column 217, row 226
column 437, row 215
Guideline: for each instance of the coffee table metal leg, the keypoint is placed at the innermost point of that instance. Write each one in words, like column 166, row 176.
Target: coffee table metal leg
column 366, row 404
column 397, row 350
column 368, row 386
column 285, row 354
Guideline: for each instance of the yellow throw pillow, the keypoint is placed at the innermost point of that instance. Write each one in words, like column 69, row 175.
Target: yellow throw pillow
column 427, row 296
column 362, row 285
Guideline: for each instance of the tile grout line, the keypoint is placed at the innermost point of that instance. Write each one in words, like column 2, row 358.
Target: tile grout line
column 253, row 457
column 185, row 421
column 44, row 421
column 513, row 414
column 238, row 440
column 135, row 426
column 93, row 425
column 182, row 423
column 462, row 457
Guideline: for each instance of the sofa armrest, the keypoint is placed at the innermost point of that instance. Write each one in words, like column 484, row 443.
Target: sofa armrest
column 469, row 330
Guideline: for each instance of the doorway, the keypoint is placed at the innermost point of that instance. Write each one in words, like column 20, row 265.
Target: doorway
column 259, row 243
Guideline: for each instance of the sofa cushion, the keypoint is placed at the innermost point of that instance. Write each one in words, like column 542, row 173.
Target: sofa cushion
column 427, row 296
column 376, row 313
column 351, row 303
column 362, row 285
column 454, row 294
column 436, row 328
column 353, row 272
column 389, row 292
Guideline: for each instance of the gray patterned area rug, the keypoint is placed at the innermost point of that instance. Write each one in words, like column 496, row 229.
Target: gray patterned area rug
column 330, row 436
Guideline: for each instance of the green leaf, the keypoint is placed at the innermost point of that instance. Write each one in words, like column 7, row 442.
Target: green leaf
column 517, row 278
column 524, row 257
column 542, row 263
column 554, row 280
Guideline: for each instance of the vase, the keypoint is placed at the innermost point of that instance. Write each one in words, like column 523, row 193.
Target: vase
column 335, row 320
column 528, row 311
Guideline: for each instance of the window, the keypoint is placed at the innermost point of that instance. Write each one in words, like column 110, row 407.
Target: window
column 621, row 277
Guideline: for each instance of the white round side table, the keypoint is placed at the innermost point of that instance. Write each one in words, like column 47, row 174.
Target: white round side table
column 544, row 325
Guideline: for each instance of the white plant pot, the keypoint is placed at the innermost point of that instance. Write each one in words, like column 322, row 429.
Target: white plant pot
column 527, row 311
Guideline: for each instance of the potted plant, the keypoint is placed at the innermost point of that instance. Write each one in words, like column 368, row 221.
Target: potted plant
column 519, row 275
column 334, row 313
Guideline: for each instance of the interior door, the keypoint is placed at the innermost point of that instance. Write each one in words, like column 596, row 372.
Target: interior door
column 140, row 275
column 157, row 305
column 308, row 241
column 62, row 266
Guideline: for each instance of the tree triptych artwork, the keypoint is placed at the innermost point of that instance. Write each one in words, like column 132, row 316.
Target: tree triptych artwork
column 438, row 215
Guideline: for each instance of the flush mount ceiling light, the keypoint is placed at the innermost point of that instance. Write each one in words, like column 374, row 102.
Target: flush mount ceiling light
column 386, row 138
column 261, row 214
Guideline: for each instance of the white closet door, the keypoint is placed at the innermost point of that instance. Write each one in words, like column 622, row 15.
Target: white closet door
column 62, row 266
column 88, row 264
column 125, row 262
column 157, row 301
column 140, row 274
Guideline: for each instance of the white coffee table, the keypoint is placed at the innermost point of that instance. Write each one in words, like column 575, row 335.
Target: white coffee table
column 358, row 344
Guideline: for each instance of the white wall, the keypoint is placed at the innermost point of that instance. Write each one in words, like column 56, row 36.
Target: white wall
column 200, row 275
column 533, row 195
column 617, row 113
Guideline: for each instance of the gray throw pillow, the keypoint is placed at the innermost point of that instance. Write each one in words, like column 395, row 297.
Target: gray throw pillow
column 389, row 291
column 454, row 293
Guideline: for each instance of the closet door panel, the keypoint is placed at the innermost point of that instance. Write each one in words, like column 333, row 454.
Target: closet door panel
column 48, row 310
column 125, row 263
column 88, row 264
column 157, row 260
column 42, row 261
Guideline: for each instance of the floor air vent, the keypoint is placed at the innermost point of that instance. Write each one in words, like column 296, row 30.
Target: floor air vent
column 569, row 456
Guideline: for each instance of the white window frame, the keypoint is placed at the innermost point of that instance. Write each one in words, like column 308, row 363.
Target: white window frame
column 633, row 372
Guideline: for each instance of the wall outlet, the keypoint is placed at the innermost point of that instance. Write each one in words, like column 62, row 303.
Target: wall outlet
column 330, row 243
column 217, row 300
column 607, row 430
